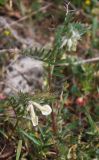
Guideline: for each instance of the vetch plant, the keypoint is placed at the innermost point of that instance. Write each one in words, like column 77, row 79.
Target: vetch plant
column 72, row 91
column 45, row 109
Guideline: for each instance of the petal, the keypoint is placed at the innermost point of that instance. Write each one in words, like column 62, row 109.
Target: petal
column 69, row 44
column 34, row 120
column 63, row 43
column 33, row 116
column 45, row 109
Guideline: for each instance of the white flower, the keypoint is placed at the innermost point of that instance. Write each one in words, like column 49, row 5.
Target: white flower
column 71, row 42
column 75, row 35
column 45, row 109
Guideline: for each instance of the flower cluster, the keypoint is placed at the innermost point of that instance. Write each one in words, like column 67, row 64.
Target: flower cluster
column 71, row 42
column 45, row 110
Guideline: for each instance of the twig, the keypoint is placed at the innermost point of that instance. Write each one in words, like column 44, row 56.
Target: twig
column 28, row 16
column 14, row 50
column 14, row 33
column 54, row 124
column 91, row 60
column 2, row 149
column 67, row 8
column 67, row 4
column 71, row 5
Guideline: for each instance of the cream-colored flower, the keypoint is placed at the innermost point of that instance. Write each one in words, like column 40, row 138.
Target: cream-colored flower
column 45, row 109
column 75, row 35
column 71, row 42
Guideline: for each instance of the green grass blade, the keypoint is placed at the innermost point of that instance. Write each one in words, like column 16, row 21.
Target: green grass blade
column 19, row 148
column 31, row 137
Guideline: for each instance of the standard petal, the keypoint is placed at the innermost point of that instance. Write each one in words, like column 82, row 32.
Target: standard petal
column 46, row 109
